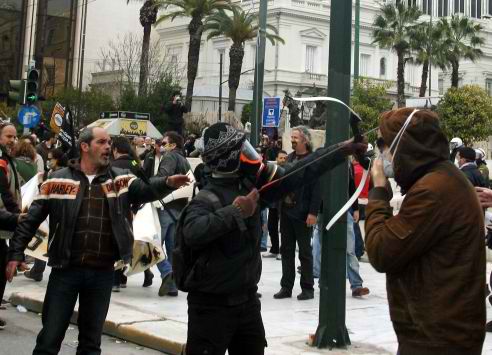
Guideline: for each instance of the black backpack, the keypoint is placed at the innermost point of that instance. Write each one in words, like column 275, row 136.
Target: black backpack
column 184, row 259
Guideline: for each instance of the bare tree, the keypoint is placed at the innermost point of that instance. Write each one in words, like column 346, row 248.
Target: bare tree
column 121, row 57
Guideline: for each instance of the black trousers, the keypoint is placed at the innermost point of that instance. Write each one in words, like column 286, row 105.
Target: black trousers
column 273, row 230
column 3, row 266
column 213, row 329
column 292, row 231
column 93, row 289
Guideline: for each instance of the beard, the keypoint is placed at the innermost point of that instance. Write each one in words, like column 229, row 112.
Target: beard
column 294, row 145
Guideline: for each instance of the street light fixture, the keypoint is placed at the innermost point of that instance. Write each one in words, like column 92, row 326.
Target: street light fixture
column 227, row 80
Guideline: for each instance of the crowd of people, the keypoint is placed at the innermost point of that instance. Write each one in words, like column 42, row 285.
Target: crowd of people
column 433, row 254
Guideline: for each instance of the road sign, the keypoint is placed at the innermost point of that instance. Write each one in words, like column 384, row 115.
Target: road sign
column 271, row 112
column 126, row 114
column 29, row 116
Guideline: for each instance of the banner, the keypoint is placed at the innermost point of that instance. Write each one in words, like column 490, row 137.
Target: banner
column 66, row 134
column 38, row 246
column 57, row 118
column 133, row 127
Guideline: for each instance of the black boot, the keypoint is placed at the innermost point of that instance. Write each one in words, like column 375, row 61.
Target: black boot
column 305, row 295
column 31, row 275
column 148, row 278
column 283, row 293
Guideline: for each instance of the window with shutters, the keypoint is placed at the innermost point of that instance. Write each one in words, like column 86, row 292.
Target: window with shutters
column 253, row 55
column 310, row 66
column 382, row 68
column 365, row 60
column 488, row 86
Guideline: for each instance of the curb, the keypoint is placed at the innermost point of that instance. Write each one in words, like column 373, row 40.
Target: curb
column 126, row 332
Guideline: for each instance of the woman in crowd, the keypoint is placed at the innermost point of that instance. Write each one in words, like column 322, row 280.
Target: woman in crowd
column 25, row 160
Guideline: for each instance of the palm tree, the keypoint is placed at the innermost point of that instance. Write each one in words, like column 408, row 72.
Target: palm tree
column 427, row 43
column 393, row 29
column 240, row 26
column 148, row 17
column 198, row 10
column 461, row 42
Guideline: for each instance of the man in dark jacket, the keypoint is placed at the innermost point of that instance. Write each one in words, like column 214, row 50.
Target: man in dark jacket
column 153, row 159
column 175, row 110
column 298, row 214
column 223, row 232
column 10, row 198
column 433, row 254
column 89, row 208
column 43, row 148
column 466, row 162
column 173, row 162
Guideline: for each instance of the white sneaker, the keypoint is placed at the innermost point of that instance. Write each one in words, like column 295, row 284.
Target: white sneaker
column 270, row 255
column 279, row 257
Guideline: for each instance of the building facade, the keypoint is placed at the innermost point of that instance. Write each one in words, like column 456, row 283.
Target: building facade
column 40, row 33
column 299, row 64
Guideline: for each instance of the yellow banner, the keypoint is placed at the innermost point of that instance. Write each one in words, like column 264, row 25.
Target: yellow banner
column 133, row 127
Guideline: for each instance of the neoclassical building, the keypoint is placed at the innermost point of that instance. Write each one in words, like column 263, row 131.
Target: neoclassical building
column 299, row 64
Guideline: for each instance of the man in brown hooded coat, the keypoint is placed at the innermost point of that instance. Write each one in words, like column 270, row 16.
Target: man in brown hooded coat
column 433, row 251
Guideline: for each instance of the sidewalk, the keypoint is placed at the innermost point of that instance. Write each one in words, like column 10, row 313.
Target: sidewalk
column 138, row 315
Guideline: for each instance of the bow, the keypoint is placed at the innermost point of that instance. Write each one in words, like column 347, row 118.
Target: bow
column 363, row 160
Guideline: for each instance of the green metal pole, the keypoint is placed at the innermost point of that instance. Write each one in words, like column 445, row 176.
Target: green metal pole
column 257, row 110
column 332, row 331
column 357, row 39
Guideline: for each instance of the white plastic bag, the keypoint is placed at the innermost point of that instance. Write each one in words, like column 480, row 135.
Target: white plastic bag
column 147, row 250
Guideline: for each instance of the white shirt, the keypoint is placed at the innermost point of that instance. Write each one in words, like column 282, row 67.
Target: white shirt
column 90, row 178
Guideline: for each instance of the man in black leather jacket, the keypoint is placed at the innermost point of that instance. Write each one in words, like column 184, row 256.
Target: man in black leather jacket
column 89, row 205
column 224, row 236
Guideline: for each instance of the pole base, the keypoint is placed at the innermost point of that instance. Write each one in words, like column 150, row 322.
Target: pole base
column 329, row 337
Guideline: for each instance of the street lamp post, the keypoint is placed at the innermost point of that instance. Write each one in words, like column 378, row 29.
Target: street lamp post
column 259, row 73
column 430, row 60
column 331, row 331
column 220, row 86
column 357, row 39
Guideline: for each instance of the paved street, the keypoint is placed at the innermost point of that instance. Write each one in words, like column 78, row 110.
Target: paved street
column 138, row 313
column 20, row 336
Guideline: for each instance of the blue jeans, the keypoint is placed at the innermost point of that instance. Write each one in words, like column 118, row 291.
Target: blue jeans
column 264, row 228
column 93, row 288
column 317, row 233
column 168, row 229
column 359, row 241
column 352, row 262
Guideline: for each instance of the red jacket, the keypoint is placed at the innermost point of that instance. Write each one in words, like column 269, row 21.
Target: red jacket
column 358, row 172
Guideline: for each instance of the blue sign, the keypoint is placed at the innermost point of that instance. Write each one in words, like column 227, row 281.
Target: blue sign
column 29, row 116
column 271, row 112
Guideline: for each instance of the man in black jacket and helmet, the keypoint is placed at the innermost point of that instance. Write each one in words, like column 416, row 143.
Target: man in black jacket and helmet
column 221, row 226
